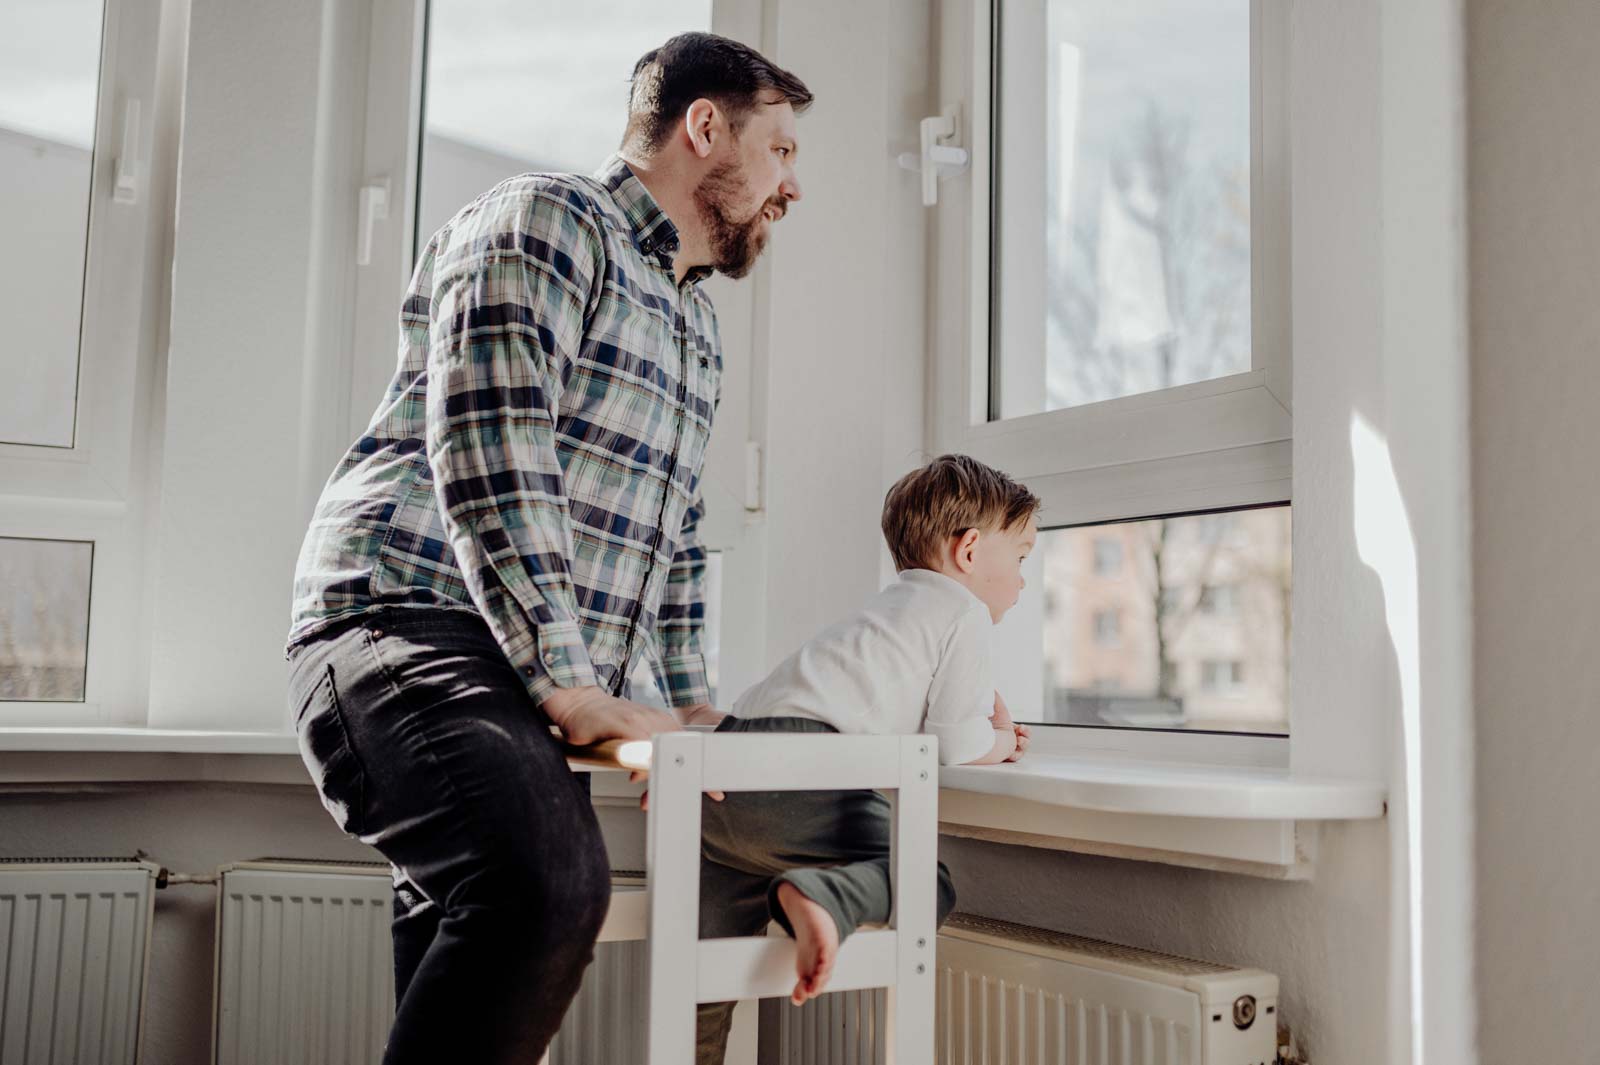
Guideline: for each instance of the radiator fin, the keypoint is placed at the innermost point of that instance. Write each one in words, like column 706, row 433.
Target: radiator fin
column 986, row 1019
column 72, row 962
column 306, row 974
column 305, row 970
column 607, row 1023
column 843, row 1028
column 1025, row 936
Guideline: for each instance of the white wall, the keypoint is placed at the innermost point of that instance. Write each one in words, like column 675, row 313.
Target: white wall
column 844, row 335
column 1533, row 156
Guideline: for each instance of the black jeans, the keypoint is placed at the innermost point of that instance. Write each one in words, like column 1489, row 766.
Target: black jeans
column 424, row 743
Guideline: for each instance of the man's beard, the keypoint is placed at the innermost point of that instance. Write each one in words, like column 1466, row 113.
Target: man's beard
column 735, row 245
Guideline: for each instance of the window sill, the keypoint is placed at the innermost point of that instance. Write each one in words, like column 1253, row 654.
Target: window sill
column 1254, row 820
column 50, row 757
column 1166, row 790
column 134, row 739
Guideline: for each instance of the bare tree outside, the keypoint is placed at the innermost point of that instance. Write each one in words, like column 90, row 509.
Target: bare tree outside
column 1166, row 622
column 44, row 619
column 1170, row 622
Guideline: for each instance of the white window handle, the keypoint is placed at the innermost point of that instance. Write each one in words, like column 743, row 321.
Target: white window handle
column 936, row 160
column 127, row 186
column 373, row 208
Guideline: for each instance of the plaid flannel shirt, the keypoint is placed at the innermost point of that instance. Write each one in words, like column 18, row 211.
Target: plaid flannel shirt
column 537, row 456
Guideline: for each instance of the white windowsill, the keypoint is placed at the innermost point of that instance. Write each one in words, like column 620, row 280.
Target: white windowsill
column 1255, row 820
column 1164, row 789
column 146, row 740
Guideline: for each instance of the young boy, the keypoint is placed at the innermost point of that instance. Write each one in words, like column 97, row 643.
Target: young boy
column 914, row 659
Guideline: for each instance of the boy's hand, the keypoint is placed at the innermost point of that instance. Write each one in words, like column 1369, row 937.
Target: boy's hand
column 1023, row 736
column 1002, row 715
column 1002, row 720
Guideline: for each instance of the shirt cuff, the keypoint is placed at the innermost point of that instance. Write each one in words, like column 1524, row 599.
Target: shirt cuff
column 559, row 659
column 687, row 684
column 963, row 741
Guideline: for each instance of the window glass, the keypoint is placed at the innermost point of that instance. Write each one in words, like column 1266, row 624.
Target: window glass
column 1124, row 127
column 49, row 84
column 519, row 85
column 1190, row 631
column 44, row 619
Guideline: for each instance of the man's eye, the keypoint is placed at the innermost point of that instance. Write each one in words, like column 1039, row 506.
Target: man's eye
column 784, row 152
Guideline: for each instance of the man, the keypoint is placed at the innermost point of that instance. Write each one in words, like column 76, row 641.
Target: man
column 517, row 529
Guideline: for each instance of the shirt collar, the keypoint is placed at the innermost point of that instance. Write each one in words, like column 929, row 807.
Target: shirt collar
column 935, row 579
column 653, row 231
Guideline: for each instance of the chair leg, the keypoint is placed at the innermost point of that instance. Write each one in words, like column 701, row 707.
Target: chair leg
column 673, row 857
column 914, row 849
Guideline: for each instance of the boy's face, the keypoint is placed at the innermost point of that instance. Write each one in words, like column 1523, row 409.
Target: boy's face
column 996, row 573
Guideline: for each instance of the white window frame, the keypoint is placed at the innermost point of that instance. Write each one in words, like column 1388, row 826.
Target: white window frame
column 1208, row 445
column 93, row 491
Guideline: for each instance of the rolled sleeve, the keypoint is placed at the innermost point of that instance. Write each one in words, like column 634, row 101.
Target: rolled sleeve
column 963, row 741
column 961, row 697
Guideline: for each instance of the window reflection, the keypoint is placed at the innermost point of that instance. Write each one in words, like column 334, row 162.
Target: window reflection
column 1189, row 631
column 44, row 619
column 1124, row 214
column 520, row 85
column 49, row 82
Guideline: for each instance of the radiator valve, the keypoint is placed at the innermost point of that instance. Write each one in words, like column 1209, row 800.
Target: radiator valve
column 1244, row 1012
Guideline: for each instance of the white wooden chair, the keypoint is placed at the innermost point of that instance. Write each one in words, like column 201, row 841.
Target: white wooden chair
column 685, row 970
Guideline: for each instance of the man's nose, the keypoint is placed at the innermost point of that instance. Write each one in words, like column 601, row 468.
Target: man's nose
column 789, row 188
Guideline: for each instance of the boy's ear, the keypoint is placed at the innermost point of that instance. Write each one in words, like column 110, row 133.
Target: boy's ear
column 967, row 551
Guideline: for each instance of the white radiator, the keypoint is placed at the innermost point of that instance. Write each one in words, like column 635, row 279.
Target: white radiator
column 1016, row 995
column 305, row 972
column 74, row 947
column 305, row 969
column 842, row 1028
column 608, row 1021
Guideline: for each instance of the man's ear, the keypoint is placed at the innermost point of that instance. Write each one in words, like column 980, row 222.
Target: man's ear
column 702, row 123
column 967, row 551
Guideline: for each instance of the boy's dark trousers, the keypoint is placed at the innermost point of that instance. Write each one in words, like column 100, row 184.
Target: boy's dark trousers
column 833, row 846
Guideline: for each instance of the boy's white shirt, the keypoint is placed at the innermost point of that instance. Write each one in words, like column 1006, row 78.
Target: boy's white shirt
column 914, row 659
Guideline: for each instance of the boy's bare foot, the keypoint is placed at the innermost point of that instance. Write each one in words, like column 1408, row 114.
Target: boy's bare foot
column 816, row 941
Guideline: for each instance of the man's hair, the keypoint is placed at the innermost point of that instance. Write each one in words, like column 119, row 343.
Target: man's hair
column 945, row 498
column 733, row 76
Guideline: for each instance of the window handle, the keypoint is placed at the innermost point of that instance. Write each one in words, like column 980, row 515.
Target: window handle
column 936, row 160
column 127, row 186
column 373, row 208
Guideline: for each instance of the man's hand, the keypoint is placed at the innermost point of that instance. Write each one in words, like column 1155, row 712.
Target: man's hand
column 700, row 715
column 588, row 715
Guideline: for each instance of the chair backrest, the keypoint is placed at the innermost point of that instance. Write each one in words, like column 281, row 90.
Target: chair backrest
column 685, row 971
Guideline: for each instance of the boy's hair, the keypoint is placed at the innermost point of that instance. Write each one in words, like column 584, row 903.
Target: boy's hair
column 733, row 76
column 945, row 498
